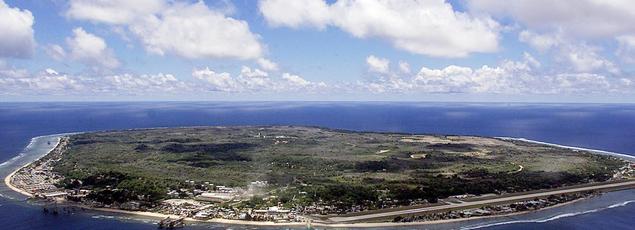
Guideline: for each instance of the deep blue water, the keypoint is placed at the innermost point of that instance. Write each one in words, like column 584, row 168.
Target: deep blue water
column 606, row 127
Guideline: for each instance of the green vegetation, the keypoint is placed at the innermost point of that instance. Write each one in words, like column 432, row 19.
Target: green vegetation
column 306, row 165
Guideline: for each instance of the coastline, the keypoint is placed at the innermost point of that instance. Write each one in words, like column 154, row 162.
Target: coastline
column 7, row 181
column 321, row 224
column 596, row 151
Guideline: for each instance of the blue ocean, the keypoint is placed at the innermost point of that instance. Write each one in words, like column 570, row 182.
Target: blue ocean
column 609, row 127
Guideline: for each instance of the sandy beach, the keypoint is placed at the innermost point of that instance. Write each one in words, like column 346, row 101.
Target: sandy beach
column 7, row 179
column 153, row 215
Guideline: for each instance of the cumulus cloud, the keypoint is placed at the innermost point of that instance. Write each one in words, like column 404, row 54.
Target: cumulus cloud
column 189, row 30
column 113, row 11
column 56, row 52
column 253, row 80
column 541, row 42
column 295, row 80
column 295, row 13
column 572, row 30
column 583, row 18
column 267, row 64
column 292, row 82
column 141, row 84
column 16, row 25
column 626, row 50
column 90, row 49
column 52, row 82
column 584, row 58
column 379, row 65
column 216, row 81
column 255, row 73
column 404, row 67
column 422, row 27
column 195, row 31
column 577, row 55
column 20, row 82
column 47, row 82
column 509, row 77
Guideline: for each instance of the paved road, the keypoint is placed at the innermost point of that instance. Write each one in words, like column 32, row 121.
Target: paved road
column 480, row 202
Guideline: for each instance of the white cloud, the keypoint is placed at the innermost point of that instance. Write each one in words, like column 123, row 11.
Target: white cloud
column 195, row 31
column 47, row 82
column 248, row 80
column 509, row 77
column 404, row 67
column 255, row 73
column 295, row 13
column 379, row 65
column 216, row 81
column 16, row 25
column 267, row 64
column 51, row 71
column 91, row 49
column 423, row 27
column 254, row 80
column 295, row 80
column 541, row 42
column 130, row 84
column 56, row 52
column 577, row 55
column 52, row 82
column 385, row 84
column 626, row 50
column 116, row 12
column 190, row 30
column 584, row 58
column 531, row 61
column 583, row 18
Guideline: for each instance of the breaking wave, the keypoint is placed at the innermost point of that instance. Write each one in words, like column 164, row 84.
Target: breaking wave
column 543, row 220
column 22, row 153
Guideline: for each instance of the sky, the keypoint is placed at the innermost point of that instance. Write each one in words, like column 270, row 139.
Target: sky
column 315, row 50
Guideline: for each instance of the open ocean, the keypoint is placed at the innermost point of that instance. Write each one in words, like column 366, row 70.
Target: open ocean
column 608, row 127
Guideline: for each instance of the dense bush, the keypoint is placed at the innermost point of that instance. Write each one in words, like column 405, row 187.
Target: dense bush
column 205, row 148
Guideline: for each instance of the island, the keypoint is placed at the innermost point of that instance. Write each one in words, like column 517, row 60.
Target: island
column 297, row 175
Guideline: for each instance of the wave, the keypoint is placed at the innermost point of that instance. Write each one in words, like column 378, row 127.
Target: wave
column 102, row 217
column 22, row 153
column 543, row 220
column 30, row 146
column 124, row 218
column 7, row 197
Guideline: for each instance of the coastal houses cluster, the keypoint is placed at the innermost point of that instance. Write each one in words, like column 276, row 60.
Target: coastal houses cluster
column 38, row 178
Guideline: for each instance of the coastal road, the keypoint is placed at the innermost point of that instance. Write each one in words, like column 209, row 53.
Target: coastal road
column 482, row 202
